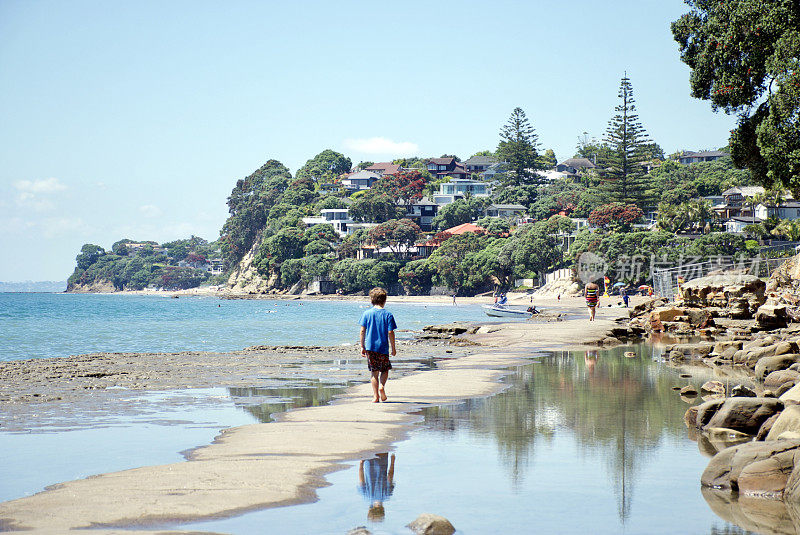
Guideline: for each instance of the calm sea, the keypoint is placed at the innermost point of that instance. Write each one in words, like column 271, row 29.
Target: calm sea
column 58, row 325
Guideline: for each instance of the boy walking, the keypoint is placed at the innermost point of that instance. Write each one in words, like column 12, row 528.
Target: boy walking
column 377, row 342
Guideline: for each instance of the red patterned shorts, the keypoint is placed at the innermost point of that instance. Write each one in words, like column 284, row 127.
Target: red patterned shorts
column 378, row 362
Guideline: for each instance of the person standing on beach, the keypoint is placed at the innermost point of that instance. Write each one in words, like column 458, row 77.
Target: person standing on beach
column 377, row 342
column 592, row 294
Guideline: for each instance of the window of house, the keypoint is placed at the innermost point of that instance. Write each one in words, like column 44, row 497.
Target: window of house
column 442, row 167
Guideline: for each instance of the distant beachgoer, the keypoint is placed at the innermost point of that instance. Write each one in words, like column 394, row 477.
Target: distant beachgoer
column 377, row 339
column 625, row 297
column 559, row 297
column 592, row 294
column 376, row 483
column 454, row 298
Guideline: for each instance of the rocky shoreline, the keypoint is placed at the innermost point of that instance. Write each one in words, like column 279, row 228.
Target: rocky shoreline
column 740, row 327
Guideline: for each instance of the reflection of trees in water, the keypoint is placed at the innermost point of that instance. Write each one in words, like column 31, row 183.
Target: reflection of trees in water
column 280, row 399
column 618, row 408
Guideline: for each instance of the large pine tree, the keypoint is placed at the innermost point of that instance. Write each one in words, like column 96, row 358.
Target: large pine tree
column 622, row 165
column 517, row 147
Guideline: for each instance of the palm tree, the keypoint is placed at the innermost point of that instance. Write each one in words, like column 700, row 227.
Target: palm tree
column 788, row 228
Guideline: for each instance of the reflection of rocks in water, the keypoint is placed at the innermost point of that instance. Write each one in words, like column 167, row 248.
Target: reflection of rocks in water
column 759, row 515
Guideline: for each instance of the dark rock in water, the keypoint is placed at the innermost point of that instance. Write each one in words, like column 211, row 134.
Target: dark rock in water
column 767, row 365
column 725, row 468
column 448, row 328
column 686, row 375
column 741, row 391
column 767, row 426
column 744, row 414
column 428, row 524
column 713, row 387
column 778, row 377
column 360, row 530
column 706, row 411
column 689, row 390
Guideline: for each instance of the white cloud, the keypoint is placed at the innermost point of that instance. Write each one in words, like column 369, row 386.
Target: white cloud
column 45, row 185
column 150, row 210
column 31, row 193
column 382, row 145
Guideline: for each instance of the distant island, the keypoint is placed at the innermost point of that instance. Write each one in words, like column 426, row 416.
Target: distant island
column 33, row 286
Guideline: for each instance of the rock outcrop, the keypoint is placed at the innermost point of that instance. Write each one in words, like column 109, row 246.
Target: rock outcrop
column 737, row 295
column 245, row 278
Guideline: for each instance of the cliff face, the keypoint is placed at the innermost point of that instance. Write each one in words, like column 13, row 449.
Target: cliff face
column 245, row 279
column 98, row 286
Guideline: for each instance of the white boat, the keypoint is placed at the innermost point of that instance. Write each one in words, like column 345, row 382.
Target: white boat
column 502, row 311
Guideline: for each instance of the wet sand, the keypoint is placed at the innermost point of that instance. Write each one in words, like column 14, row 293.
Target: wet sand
column 259, row 465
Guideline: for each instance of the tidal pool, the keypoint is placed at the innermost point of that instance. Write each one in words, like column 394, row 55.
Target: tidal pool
column 580, row 442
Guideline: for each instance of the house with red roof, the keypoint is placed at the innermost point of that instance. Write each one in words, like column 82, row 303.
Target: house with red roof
column 384, row 168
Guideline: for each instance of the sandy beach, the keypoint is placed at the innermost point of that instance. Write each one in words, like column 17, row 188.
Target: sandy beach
column 259, row 465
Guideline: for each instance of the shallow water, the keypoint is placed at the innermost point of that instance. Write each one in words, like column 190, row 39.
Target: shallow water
column 57, row 325
column 577, row 444
column 151, row 428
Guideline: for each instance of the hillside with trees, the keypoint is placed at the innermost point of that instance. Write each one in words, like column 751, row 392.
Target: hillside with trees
column 518, row 214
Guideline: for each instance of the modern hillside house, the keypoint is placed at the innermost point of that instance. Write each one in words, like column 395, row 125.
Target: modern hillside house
column 360, row 180
column 446, row 167
column 506, row 211
column 338, row 217
column 687, row 157
column 422, row 213
column 460, row 187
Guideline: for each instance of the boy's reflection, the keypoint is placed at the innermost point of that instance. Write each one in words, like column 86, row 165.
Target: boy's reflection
column 376, row 482
column 590, row 359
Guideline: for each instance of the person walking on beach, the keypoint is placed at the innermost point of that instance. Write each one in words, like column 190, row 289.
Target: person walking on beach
column 377, row 342
column 625, row 297
column 592, row 294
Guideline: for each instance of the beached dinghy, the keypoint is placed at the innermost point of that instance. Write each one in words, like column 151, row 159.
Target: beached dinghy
column 502, row 311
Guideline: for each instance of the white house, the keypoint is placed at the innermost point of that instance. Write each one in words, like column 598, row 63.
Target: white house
column 457, row 188
column 736, row 225
column 788, row 209
column 338, row 217
column 360, row 180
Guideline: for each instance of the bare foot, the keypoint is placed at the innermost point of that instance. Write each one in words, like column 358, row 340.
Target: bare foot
column 376, row 400
column 383, row 394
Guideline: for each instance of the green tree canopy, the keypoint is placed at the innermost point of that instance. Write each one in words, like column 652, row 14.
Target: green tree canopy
column 458, row 212
column 325, row 166
column 249, row 205
column 745, row 59
column 373, row 206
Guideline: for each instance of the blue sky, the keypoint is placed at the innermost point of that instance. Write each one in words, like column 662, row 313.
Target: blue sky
column 135, row 119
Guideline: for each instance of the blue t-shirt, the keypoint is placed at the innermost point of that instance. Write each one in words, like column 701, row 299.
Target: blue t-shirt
column 378, row 322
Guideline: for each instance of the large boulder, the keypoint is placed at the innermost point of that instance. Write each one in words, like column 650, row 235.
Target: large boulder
column 772, row 316
column 766, row 365
column 740, row 294
column 749, row 356
column 791, row 396
column 725, row 468
column 704, row 412
column 428, row 524
column 787, row 425
column 779, row 377
column 744, row 414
